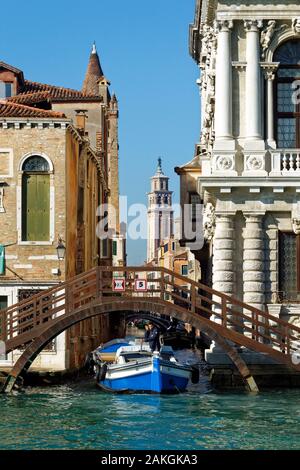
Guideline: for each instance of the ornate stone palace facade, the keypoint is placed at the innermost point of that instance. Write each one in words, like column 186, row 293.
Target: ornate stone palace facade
column 58, row 163
column 246, row 168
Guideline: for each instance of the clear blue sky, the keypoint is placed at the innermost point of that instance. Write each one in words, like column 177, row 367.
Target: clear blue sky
column 143, row 49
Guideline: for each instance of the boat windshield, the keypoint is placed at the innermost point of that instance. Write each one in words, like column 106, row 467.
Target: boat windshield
column 133, row 356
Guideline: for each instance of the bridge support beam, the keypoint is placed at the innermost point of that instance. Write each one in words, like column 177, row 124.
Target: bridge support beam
column 231, row 351
column 9, row 384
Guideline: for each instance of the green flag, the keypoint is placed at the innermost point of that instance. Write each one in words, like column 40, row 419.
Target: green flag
column 2, row 259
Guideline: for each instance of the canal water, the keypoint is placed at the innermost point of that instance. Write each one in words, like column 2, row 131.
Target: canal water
column 79, row 416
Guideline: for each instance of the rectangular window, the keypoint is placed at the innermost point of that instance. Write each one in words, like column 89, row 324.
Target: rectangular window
column 184, row 270
column 104, row 248
column 173, row 246
column 3, row 301
column 5, row 90
column 289, row 266
column 166, row 247
column 286, row 133
column 114, row 248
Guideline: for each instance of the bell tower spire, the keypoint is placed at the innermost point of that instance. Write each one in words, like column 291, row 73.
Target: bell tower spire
column 93, row 74
column 160, row 212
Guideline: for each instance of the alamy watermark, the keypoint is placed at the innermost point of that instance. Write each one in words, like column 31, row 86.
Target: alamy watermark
column 135, row 220
column 296, row 92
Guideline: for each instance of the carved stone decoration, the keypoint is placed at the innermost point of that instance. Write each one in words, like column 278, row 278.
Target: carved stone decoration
column 296, row 25
column 207, row 34
column 254, row 163
column 296, row 226
column 225, row 163
column 253, row 25
column 266, row 36
column 207, row 122
column 223, row 25
column 270, row 73
column 209, row 221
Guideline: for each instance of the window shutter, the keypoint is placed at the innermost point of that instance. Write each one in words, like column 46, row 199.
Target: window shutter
column 36, row 207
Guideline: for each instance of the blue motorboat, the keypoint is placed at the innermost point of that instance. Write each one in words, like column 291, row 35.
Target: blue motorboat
column 134, row 367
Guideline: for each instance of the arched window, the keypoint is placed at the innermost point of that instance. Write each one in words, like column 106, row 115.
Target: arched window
column 35, row 199
column 287, row 108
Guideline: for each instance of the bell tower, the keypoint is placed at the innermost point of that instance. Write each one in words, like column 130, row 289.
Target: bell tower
column 160, row 212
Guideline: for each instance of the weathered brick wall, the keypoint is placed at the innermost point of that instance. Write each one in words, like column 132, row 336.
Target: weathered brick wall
column 32, row 261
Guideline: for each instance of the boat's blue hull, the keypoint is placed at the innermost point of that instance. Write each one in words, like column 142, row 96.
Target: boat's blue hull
column 161, row 377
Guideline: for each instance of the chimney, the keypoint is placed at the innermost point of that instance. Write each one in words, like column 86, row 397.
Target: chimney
column 81, row 116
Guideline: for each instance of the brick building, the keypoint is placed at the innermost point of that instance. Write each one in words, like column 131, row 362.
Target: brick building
column 58, row 163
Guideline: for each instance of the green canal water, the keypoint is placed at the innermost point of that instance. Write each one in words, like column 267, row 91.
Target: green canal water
column 81, row 417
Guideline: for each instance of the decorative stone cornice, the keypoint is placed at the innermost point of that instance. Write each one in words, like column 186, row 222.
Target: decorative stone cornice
column 75, row 133
column 205, row 12
column 240, row 66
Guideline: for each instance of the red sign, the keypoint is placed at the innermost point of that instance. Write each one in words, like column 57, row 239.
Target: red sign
column 140, row 285
column 119, row 284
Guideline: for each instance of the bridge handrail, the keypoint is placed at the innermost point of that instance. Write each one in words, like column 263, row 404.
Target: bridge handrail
column 204, row 287
column 20, row 322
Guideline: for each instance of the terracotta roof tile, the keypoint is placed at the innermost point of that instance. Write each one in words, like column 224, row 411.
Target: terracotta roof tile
column 30, row 98
column 9, row 109
column 58, row 93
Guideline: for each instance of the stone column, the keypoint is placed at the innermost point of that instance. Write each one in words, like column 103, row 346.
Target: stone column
column 270, row 76
column 254, row 263
column 253, row 83
column 223, row 98
column 223, row 257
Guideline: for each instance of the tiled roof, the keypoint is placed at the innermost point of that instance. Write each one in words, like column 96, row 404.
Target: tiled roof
column 58, row 93
column 11, row 68
column 9, row 109
column 30, row 98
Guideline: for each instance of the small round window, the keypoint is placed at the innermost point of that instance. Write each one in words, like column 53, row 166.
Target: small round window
column 35, row 163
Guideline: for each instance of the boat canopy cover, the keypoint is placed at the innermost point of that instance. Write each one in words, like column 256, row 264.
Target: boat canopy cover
column 112, row 346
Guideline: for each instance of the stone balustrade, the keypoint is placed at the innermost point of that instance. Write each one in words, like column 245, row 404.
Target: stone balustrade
column 273, row 163
column 285, row 162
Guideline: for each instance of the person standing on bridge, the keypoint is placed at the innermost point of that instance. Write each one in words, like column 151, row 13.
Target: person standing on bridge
column 153, row 338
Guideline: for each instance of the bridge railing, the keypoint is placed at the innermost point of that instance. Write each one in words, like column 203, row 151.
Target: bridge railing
column 220, row 308
column 21, row 322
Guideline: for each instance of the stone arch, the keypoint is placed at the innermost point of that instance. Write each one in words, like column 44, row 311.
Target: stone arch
column 285, row 34
column 111, row 306
column 36, row 154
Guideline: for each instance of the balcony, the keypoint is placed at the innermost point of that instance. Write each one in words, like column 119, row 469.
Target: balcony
column 279, row 162
column 285, row 162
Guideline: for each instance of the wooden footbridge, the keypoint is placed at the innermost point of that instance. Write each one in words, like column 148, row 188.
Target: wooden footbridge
column 33, row 323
